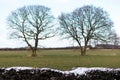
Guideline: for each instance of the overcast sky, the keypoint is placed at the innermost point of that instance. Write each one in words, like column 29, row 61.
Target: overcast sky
column 57, row 6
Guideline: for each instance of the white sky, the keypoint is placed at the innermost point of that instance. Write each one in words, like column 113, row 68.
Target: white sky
column 57, row 6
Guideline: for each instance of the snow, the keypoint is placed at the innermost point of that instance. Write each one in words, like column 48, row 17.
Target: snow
column 82, row 70
column 76, row 71
column 19, row 68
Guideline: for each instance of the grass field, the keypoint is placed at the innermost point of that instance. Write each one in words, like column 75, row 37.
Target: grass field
column 61, row 59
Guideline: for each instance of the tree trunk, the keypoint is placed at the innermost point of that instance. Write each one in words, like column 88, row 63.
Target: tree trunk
column 83, row 51
column 34, row 54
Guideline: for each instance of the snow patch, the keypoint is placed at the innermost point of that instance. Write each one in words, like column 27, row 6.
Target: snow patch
column 82, row 70
column 18, row 68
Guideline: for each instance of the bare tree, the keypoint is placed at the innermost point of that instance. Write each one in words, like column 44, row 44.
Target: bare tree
column 114, row 39
column 31, row 23
column 84, row 24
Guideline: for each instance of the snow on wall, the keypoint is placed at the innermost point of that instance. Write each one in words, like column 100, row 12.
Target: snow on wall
column 76, row 71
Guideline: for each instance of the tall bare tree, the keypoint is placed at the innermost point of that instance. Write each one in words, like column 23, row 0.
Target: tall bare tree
column 84, row 24
column 31, row 23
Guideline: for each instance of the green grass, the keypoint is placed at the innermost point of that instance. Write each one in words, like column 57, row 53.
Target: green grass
column 61, row 59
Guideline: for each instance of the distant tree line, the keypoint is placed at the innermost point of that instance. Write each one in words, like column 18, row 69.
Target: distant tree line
column 107, row 46
column 83, row 25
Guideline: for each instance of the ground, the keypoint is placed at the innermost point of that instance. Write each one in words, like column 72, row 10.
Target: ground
column 61, row 59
